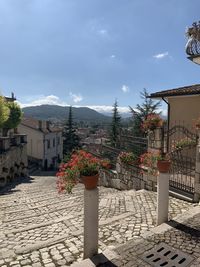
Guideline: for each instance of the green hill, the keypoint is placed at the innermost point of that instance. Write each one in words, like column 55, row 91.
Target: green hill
column 58, row 113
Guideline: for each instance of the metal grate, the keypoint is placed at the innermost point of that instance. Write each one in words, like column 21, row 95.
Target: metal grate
column 164, row 255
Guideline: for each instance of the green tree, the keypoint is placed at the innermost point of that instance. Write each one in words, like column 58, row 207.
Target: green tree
column 4, row 111
column 15, row 115
column 115, row 126
column 71, row 140
column 141, row 112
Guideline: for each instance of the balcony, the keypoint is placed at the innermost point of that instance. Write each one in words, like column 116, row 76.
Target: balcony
column 193, row 44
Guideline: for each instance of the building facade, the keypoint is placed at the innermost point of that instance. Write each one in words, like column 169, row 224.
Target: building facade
column 183, row 105
column 44, row 143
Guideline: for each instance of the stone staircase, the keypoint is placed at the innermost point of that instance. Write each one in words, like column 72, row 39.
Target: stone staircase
column 39, row 227
column 33, row 168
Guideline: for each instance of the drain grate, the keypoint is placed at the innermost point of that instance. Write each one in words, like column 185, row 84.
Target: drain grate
column 166, row 256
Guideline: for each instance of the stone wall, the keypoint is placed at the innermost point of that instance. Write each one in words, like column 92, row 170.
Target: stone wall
column 150, row 181
column 127, row 177
column 13, row 158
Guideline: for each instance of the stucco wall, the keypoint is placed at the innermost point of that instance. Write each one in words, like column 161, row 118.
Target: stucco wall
column 184, row 110
column 34, row 141
column 37, row 146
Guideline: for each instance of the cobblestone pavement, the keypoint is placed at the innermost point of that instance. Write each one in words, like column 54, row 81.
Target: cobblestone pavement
column 39, row 227
column 182, row 234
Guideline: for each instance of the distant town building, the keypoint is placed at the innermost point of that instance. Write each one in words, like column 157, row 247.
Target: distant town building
column 45, row 143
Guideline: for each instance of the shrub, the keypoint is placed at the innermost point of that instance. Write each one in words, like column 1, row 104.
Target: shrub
column 128, row 157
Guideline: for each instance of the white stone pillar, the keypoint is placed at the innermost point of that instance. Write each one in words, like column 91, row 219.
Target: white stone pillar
column 91, row 222
column 162, row 198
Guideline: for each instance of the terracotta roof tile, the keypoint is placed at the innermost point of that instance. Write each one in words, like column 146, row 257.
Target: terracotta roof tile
column 34, row 124
column 186, row 90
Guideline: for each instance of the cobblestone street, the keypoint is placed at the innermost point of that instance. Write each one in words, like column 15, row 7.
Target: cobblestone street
column 39, row 227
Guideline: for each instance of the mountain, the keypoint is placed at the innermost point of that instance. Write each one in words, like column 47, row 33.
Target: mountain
column 60, row 114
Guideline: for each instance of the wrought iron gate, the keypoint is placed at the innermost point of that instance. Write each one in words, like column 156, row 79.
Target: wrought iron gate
column 181, row 144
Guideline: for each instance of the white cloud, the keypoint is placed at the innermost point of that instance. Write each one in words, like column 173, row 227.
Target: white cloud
column 161, row 55
column 109, row 109
column 103, row 32
column 76, row 98
column 125, row 88
column 112, row 56
column 44, row 100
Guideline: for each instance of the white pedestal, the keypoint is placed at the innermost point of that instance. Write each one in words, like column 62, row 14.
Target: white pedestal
column 163, row 198
column 91, row 222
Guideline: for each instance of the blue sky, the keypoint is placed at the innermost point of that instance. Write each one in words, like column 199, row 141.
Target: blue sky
column 89, row 52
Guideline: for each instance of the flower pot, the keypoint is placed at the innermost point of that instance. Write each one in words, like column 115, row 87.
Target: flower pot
column 90, row 182
column 197, row 126
column 163, row 165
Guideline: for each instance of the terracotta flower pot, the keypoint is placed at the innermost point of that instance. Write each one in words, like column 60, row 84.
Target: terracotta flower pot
column 90, row 182
column 163, row 165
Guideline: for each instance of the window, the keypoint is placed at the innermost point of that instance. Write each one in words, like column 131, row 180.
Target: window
column 58, row 140
column 48, row 144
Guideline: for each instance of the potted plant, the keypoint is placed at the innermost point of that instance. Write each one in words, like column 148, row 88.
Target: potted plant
column 81, row 165
column 128, row 158
column 88, row 167
column 106, row 164
column 163, row 163
column 152, row 122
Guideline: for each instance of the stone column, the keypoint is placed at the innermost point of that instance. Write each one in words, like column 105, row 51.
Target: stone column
column 163, row 198
column 197, row 171
column 91, row 222
column 155, row 141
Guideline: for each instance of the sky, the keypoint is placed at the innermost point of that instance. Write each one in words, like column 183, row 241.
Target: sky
column 91, row 52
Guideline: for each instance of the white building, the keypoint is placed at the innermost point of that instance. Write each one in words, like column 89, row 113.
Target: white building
column 45, row 143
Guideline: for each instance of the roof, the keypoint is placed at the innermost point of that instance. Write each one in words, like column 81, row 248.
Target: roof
column 181, row 91
column 34, row 124
column 10, row 99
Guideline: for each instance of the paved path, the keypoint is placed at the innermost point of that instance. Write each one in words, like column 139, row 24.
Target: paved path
column 39, row 227
column 182, row 236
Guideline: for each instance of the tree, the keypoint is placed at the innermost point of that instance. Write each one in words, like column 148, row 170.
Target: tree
column 14, row 118
column 115, row 126
column 142, row 111
column 71, row 140
column 4, row 111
